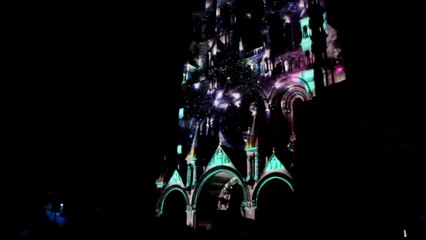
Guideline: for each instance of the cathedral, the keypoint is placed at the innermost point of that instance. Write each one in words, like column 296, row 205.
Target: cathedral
column 250, row 67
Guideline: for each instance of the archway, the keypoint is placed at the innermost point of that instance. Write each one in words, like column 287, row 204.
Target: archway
column 173, row 208
column 291, row 100
column 219, row 201
column 275, row 208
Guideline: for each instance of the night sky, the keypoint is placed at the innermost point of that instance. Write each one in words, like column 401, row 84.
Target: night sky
column 90, row 102
column 89, row 111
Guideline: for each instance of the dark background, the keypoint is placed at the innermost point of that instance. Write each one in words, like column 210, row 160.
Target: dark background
column 89, row 111
column 90, row 106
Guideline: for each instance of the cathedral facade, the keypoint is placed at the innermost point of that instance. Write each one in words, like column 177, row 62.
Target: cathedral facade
column 250, row 66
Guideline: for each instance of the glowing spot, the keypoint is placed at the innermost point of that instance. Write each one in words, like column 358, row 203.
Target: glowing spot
column 277, row 84
column 219, row 94
column 339, row 70
column 235, row 95
column 197, row 85
column 223, row 105
column 179, row 149
column 240, row 45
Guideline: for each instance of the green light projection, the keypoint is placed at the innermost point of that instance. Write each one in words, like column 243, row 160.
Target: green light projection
column 181, row 113
column 307, row 78
column 306, row 42
column 251, row 149
column 219, row 158
column 274, row 164
column 175, row 179
column 159, row 184
column 269, row 179
column 324, row 25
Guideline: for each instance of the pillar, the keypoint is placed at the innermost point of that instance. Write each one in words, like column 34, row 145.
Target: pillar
column 256, row 167
column 194, row 174
column 190, row 216
column 188, row 176
column 248, row 178
column 249, row 210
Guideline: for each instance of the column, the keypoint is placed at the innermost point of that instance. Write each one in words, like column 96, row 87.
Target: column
column 250, row 209
column 256, row 167
column 194, row 174
column 190, row 216
column 248, row 178
column 188, row 176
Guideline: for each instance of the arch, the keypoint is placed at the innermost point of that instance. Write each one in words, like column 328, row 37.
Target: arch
column 160, row 203
column 209, row 174
column 259, row 185
column 293, row 93
column 274, row 200
column 306, row 87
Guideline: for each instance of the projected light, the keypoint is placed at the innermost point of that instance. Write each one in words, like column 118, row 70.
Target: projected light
column 181, row 113
column 339, row 70
column 240, row 88
column 235, row 95
column 179, row 149
column 197, row 85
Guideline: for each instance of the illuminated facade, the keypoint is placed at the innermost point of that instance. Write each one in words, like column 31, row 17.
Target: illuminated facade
column 250, row 65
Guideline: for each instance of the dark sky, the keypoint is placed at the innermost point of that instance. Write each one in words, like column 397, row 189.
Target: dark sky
column 90, row 103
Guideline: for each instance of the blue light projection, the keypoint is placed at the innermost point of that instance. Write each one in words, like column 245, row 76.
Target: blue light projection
column 54, row 213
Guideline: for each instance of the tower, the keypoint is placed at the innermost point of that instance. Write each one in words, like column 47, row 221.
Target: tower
column 239, row 94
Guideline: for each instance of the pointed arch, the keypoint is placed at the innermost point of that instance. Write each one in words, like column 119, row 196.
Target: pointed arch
column 213, row 171
column 264, row 180
column 162, row 199
column 292, row 94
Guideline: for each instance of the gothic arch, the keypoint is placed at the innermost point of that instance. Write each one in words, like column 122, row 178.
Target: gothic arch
column 160, row 203
column 213, row 171
column 292, row 94
column 273, row 199
column 264, row 180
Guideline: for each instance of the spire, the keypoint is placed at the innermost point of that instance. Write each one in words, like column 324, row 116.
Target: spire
column 191, row 155
column 252, row 140
column 160, row 181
